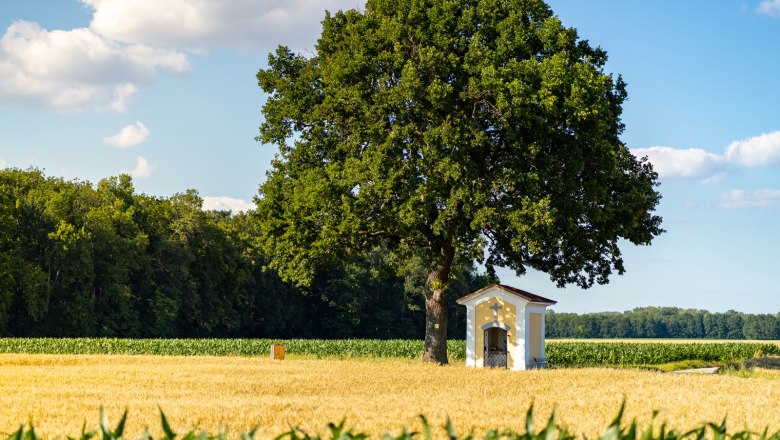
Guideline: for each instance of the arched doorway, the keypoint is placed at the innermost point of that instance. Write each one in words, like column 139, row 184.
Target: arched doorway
column 495, row 347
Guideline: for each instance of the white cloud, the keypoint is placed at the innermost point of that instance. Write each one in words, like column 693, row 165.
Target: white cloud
column 77, row 69
column 226, row 204
column 714, row 179
column 122, row 97
column 769, row 7
column 762, row 198
column 3, row 164
column 206, row 24
column 142, row 170
column 130, row 136
column 755, row 151
column 676, row 162
column 696, row 163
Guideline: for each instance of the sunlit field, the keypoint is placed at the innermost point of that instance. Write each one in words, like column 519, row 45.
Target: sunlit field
column 59, row 392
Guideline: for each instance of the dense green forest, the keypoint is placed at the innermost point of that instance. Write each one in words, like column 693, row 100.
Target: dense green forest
column 78, row 259
column 663, row 322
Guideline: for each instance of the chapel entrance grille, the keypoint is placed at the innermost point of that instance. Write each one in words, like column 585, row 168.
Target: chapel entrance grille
column 495, row 348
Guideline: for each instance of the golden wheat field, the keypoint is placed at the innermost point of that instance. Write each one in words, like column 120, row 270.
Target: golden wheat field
column 58, row 393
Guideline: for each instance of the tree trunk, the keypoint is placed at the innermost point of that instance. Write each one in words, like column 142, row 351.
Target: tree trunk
column 437, row 300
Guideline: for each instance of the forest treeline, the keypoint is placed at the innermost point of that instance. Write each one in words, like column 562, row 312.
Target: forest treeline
column 82, row 259
column 664, row 322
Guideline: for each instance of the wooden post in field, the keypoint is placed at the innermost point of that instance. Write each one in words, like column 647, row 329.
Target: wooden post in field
column 277, row 352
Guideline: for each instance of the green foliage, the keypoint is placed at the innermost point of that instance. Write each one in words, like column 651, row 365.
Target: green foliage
column 560, row 354
column 484, row 124
column 582, row 354
column 107, row 433
column 78, row 259
column 322, row 348
column 664, row 322
column 552, row 430
column 483, row 130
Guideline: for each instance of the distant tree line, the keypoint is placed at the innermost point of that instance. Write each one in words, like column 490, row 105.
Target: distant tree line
column 663, row 322
column 78, row 259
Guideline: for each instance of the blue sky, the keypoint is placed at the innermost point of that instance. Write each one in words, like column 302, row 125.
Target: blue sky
column 166, row 90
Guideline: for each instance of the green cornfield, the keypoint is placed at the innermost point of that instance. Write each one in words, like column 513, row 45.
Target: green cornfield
column 336, row 348
column 560, row 353
column 585, row 354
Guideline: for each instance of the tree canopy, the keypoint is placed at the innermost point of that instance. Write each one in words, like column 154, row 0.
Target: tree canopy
column 82, row 259
column 475, row 130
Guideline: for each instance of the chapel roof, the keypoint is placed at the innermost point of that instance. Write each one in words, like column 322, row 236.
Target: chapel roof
column 528, row 296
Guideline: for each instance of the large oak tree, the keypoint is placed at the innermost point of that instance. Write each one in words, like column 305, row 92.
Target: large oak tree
column 444, row 129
